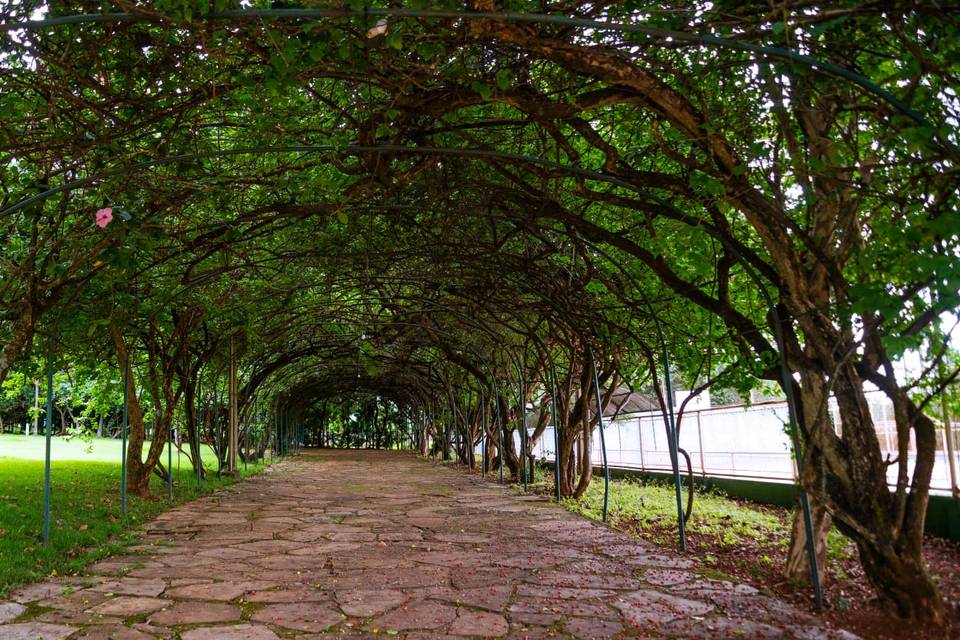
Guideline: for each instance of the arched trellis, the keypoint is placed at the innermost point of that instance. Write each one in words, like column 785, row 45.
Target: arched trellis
column 776, row 321
column 482, row 154
column 767, row 52
column 423, row 394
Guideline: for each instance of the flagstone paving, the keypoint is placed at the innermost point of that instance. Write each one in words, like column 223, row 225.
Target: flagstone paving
column 369, row 544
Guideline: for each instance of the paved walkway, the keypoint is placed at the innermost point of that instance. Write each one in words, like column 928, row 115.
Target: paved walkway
column 373, row 544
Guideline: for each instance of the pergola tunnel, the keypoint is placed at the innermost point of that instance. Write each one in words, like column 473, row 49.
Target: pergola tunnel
column 476, row 231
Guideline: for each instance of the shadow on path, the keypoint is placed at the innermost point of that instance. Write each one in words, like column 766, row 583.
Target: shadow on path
column 372, row 544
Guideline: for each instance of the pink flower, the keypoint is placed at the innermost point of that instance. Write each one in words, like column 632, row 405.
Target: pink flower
column 104, row 216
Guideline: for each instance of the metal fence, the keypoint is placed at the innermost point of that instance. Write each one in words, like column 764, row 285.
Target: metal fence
column 748, row 442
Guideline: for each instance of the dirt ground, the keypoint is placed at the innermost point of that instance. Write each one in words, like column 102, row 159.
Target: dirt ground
column 850, row 601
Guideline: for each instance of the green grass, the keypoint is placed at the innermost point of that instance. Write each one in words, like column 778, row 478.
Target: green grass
column 651, row 509
column 95, row 450
column 85, row 505
column 654, row 506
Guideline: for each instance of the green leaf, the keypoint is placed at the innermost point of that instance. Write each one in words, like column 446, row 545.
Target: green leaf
column 504, row 79
column 395, row 39
column 483, row 89
column 318, row 52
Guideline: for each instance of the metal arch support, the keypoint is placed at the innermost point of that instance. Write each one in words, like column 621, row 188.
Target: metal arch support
column 483, row 421
column 216, row 430
column 48, row 424
column 198, row 463
column 467, row 434
column 603, row 442
column 670, row 419
column 496, row 405
column 170, row 461
column 522, row 410
column 674, row 438
column 456, row 431
column 556, row 427
column 123, row 434
column 787, row 382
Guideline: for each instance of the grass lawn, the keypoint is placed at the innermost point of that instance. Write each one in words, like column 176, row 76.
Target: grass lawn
column 85, row 504
column 650, row 508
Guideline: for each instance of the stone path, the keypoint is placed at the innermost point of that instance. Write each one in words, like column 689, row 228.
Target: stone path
column 374, row 544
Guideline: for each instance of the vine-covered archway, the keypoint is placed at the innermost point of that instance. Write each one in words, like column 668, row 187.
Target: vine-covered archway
column 466, row 209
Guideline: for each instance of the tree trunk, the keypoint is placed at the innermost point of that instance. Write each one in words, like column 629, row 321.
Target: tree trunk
column 136, row 429
column 797, row 565
column 190, row 412
column 568, row 461
column 162, row 357
column 901, row 578
column 813, row 412
column 510, row 459
column 887, row 526
column 424, row 436
column 586, row 464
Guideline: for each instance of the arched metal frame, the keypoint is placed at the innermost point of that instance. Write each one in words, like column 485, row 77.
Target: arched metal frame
column 557, row 459
column 123, row 434
column 48, row 424
column 496, row 405
column 522, row 411
column 483, row 421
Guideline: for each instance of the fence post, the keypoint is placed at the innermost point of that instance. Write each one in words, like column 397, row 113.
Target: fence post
column 703, row 466
column 948, row 440
column 643, row 466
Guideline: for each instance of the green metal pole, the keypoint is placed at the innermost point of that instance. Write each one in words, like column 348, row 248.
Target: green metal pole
column 798, row 456
column 674, row 446
column 556, row 427
column 216, row 431
column 779, row 320
column 522, row 410
column 170, row 461
column 496, row 405
column 468, row 435
column 483, row 422
column 603, row 444
column 48, row 423
column 123, row 435
column 456, row 431
column 198, row 463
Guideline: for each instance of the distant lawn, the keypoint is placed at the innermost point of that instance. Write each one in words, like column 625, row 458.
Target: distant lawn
column 85, row 504
column 95, row 450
